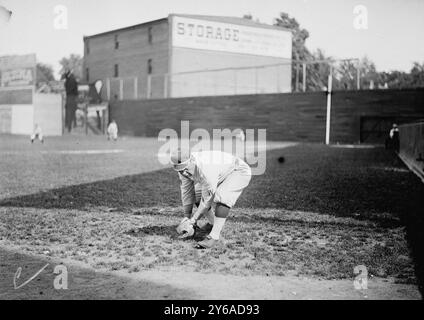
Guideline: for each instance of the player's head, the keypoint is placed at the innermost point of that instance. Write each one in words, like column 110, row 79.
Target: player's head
column 394, row 125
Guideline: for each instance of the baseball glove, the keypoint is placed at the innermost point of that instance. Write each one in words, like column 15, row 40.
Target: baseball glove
column 186, row 228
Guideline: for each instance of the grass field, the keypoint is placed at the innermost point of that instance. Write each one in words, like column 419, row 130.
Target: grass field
column 111, row 206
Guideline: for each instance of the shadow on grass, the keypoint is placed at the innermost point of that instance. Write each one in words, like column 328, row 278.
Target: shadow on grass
column 359, row 183
column 342, row 182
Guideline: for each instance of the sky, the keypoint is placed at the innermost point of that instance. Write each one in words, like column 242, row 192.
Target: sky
column 391, row 38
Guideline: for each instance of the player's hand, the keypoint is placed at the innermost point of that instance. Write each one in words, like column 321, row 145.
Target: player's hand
column 181, row 225
column 186, row 228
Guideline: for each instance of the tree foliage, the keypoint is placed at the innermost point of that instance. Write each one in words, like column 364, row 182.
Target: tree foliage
column 345, row 72
column 45, row 73
column 73, row 62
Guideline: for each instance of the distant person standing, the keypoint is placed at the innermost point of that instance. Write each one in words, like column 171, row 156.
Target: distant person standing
column 38, row 133
column 394, row 137
column 112, row 130
column 71, row 88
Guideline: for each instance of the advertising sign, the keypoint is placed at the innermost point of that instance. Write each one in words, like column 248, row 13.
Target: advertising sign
column 17, row 70
column 219, row 36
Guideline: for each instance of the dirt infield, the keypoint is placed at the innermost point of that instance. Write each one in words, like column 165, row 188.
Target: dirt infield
column 89, row 284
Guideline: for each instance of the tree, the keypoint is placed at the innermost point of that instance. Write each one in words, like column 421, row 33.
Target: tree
column 345, row 74
column 299, row 50
column 317, row 73
column 417, row 75
column 45, row 73
column 368, row 73
column 73, row 62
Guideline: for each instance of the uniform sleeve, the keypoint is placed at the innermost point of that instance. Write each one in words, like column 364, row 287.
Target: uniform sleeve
column 188, row 195
column 206, row 202
column 209, row 185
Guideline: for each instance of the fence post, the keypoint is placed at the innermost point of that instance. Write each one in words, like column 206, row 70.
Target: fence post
column 235, row 82
column 121, row 89
column 149, row 86
column 136, row 88
column 358, row 77
column 103, row 121
column 108, row 88
column 256, row 80
column 278, row 80
column 86, row 117
column 297, row 77
column 328, row 121
column 165, row 85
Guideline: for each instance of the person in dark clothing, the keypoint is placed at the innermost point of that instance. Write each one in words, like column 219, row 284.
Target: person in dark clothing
column 394, row 136
column 71, row 88
column 392, row 141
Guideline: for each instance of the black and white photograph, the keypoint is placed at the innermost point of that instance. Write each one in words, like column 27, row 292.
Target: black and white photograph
column 193, row 151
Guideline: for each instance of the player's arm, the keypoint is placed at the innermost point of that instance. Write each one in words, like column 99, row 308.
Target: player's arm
column 188, row 195
column 205, row 204
column 209, row 185
column 188, row 209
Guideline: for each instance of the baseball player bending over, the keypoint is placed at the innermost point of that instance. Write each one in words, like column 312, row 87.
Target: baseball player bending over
column 220, row 178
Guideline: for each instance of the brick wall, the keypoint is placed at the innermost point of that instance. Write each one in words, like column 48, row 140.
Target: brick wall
column 132, row 55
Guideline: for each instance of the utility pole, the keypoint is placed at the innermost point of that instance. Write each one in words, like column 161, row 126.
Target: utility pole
column 328, row 122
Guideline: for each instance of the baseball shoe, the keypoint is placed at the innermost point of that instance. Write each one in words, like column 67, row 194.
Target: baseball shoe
column 207, row 243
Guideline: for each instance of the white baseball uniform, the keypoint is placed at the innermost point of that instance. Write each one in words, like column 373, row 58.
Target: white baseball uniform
column 38, row 133
column 219, row 176
column 112, row 130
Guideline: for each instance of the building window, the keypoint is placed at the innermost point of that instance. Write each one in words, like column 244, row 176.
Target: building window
column 116, row 71
column 87, row 74
column 149, row 66
column 116, row 42
column 150, row 35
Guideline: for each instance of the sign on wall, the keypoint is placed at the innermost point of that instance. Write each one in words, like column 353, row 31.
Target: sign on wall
column 17, row 70
column 219, row 36
column 16, row 77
